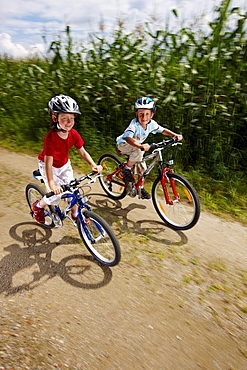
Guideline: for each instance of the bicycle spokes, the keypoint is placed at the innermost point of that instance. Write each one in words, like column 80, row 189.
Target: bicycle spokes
column 176, row 202
column 188, row 195
column 99, row 239
column 111, row 178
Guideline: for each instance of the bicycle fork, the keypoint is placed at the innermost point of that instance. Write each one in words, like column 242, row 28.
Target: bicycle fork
column 164, row 180
column 85, row 222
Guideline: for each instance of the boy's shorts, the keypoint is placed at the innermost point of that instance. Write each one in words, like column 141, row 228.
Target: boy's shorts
column 62, row 175
column 135, row 155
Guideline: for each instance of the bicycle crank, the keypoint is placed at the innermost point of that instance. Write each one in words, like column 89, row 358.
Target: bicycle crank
column 131, row 190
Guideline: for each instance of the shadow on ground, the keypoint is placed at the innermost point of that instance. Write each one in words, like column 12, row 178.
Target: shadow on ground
column 32, row 261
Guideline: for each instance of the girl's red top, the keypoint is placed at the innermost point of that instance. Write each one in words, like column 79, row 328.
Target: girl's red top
column 58, row 148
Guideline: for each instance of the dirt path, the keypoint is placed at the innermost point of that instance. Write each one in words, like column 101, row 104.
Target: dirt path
column 177, row 300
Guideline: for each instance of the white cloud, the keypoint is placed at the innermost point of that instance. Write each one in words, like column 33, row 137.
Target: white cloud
column 24, row 22
column 13, row 50
column 7, row 47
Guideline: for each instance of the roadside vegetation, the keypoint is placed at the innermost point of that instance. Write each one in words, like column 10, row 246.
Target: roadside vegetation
column 199, row 82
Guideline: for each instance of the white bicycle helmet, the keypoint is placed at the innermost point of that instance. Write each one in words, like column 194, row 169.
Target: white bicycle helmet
column 63, row 104
column 145, row 103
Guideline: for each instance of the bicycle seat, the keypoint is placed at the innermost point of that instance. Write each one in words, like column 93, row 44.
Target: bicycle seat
column 37, row 175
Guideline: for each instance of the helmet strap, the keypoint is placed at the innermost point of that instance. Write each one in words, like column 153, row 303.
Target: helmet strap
column 59, row 129
column 55, row 121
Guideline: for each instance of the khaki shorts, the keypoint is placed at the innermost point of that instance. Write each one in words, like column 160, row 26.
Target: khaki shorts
column 135, row 155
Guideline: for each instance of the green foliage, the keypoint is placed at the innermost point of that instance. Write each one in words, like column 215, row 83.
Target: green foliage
column 199, row 82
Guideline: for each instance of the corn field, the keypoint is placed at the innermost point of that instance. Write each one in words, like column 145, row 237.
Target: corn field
column 198, row 81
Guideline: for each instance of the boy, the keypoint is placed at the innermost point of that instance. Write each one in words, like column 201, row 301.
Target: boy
column 54, row 163
column 130, row 142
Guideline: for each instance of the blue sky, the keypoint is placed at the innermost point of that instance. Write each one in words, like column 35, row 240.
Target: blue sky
column 24, row 22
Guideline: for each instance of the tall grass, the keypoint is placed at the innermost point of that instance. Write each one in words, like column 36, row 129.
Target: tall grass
column 198, row 80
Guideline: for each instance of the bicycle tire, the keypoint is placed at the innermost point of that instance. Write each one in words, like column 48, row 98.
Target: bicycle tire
column 114, row 188
column 104, row 245
column 33, row 193
column 184, row 213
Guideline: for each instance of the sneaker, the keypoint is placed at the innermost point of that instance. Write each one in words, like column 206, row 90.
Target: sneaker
column 127, row 176
column 38, row 213
column 145, row 194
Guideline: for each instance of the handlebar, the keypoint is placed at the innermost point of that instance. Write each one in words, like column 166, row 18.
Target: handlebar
column 72, row 184
column 163, row 143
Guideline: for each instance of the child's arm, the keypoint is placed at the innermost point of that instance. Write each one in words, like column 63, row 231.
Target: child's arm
column 87, row 157
column 48, row 160
column 171, row 133
column 132, row 142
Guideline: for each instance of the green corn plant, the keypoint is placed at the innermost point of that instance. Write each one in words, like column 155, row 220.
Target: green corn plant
column 198, row 81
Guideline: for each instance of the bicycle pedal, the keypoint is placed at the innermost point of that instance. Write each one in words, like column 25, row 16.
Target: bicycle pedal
column 57, row 221
column 131, row 190
column 128, row 188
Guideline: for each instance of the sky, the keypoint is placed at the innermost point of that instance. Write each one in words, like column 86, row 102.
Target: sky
column 24, row 23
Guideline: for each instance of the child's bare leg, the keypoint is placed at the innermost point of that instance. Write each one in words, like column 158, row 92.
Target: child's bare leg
column 74, row 212
column 42, row 203
column 130, row 163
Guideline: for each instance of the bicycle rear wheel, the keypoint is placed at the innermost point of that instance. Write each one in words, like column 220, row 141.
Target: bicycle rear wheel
column 184, row 211
column 33, row 193
column 110, row 180
column 99, row 239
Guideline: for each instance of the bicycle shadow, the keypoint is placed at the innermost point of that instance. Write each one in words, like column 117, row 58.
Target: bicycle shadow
column 113, row 211
column 30, row 265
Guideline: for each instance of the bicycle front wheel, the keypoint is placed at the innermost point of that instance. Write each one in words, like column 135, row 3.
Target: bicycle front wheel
column 33, row 193
column 111, row 179
column 184, row 210
column 99, row 239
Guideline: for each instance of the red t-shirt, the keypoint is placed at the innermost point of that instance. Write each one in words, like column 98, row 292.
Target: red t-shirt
column 58, row 148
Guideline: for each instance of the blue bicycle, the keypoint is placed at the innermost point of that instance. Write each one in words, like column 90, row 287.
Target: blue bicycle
column 94, row 231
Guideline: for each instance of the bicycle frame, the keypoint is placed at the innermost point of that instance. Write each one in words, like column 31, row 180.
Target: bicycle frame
column 95, row 233
column 173, row 196
column 157, row 157
column 80, row 201
column 76, row 198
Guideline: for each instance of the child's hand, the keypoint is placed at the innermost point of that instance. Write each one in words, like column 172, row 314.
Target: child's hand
column 179, row 137
column 97, row 168
column 56, row 189
column 145, row 147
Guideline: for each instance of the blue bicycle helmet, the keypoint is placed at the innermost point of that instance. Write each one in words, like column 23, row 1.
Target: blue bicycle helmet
column 145, row 103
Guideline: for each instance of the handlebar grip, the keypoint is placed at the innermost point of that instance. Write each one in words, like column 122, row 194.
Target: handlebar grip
column 48, row 195
column 92, row 173
column 64, row 187
column 153, row 146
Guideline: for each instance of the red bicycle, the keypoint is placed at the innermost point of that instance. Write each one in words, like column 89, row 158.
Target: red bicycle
column 174, row 198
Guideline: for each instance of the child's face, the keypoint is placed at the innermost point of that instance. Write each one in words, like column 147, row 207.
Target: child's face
column 66, row 121
column 144, row 116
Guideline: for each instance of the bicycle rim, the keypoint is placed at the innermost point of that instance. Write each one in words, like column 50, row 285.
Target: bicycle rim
column 114, row 185
column 184, row 211
column 33, row 193
column 99, row 239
